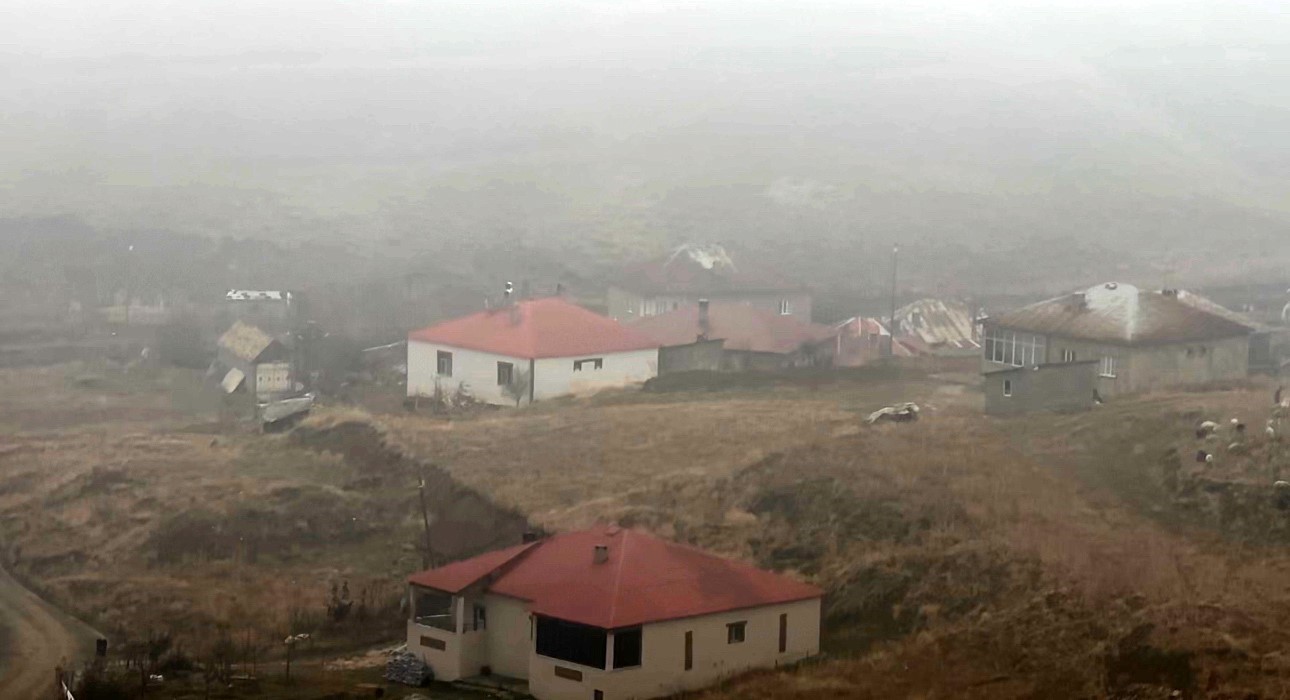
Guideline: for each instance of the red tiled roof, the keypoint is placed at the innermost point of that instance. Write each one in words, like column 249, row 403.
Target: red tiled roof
column 700, row 270
column 536, row 328
column 743, row 327
column 646, row 579
column 454, row 577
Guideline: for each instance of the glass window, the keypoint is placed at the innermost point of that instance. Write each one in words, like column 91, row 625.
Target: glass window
column 505, row 373
column 444, row 360
column 627, row 648
column 1107, row 367
column 568, row 641
column 736, row 632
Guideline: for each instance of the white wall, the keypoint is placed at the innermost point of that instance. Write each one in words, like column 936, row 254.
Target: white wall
column 552, row 376
column 477, row 370
column 555, row 375
column 662, row 670
column 509, row 643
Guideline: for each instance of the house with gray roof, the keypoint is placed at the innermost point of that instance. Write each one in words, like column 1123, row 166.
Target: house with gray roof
column 1141, row 339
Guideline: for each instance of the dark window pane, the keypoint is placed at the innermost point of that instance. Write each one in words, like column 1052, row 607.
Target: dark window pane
column 627, row 648
column 571, row 642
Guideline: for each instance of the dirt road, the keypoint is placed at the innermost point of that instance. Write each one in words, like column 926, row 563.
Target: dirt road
column 35, row 637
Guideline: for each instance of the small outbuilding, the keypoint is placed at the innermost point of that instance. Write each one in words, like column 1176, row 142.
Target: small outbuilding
column 249, row 359
column 735, row 337
column 1062, row 387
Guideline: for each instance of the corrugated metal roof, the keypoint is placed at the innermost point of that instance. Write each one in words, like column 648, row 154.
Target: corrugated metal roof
column 245, row 341
column 645, row 579
column 1122, row 313
column 939, row 324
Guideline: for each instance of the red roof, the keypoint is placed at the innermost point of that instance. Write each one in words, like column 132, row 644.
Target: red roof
column 743, row 327
column 457, row 576
column 646, row 579
column 536, row 328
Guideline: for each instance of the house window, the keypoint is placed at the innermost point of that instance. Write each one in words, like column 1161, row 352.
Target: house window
column 627, row 648
column 783, row 632
column 505, row 373
column 735, row 632
column 1007, row 387
column 569, row 641
column 444, row 364
column 480, row 617
column 785, row 307
column 1011, row 348
column 689, row 650
column 597, row 695
column 1068, row 355
column 1107, row 367
column 593, row 363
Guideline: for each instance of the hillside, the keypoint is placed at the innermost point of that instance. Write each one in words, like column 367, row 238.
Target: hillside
column 964, row 556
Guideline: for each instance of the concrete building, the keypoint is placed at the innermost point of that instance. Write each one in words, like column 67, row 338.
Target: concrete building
column 1069, row 386
column 250, row 360
column 691, row 273
column 608, row 614
column 1142, row 340
column 734, row 337
column 528, row 351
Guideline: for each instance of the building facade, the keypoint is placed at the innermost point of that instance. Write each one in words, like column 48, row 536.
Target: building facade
column 609, row 614
column 749, row 338
column 1061, row 387
column 1141, row 340
column 529, row 351
column 691, row 273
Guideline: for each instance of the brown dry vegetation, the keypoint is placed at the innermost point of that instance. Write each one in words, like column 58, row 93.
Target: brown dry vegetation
column 1046, row 556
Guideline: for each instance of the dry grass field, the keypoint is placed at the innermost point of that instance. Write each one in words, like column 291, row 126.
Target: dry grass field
column 1081, row 555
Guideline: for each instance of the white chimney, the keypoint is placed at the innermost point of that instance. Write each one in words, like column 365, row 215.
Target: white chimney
column 601, row 554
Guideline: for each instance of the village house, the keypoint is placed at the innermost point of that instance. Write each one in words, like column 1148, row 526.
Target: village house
column 734, row 337
column 691, row 273
column 1142, row 340
column 250, row 360
column 527, row 351
column 608, row 614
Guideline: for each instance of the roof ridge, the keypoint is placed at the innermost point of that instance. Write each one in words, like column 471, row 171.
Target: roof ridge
column 618, row 579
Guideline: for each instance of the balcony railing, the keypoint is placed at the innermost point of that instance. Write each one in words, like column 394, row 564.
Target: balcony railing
column 444, row 621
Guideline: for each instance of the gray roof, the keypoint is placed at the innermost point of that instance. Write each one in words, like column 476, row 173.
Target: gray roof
column 1122, row 313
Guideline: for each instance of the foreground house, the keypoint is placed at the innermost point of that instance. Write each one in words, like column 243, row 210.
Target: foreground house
column 528, row 351
column 609, row 614
column 735, row 337
column 691, row 273
column 1141, row 340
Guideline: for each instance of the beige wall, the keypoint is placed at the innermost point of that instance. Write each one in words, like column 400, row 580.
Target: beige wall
column 662, row 670
column 509, row 640
column 625, row 305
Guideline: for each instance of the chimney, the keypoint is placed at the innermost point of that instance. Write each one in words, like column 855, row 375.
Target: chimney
column 1079, row 300
column 559, row 289
column 601, row 554
column 704, row 324
column 507, row 293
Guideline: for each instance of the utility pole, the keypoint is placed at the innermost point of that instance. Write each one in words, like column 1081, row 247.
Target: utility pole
column 891, row 328
column 425, row 519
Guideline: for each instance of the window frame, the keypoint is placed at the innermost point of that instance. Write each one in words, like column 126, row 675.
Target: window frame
column 785, row 307
column 1007, row 388
column 737, row 632
column 640, row 648
column 440, row 357
column 1013, row 348
column 1068, row 355
column 1106, row 367
column 597, row 364
column 509, row 368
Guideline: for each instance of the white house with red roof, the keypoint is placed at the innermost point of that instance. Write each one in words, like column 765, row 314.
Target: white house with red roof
column 532, row 349
column 608, row 614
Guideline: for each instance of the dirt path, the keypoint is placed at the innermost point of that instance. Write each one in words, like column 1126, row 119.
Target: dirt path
column 34, row 637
